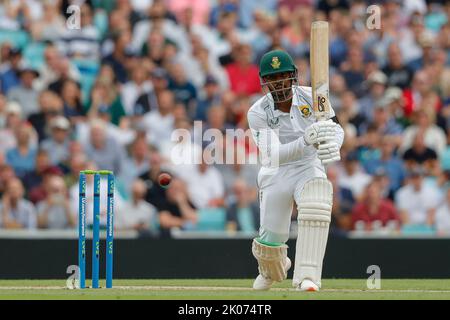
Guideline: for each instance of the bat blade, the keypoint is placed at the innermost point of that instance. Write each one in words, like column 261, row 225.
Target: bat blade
column 319, row 69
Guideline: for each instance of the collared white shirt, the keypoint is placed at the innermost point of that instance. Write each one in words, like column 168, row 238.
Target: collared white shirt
column 159, row 128
column 416, row 203
column 443, row 218
column 265, row 120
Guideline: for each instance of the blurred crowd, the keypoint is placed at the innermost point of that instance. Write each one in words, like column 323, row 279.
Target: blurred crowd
column 109, row 92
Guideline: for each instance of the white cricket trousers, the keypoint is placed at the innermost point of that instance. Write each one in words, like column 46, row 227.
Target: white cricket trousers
column 279, row 189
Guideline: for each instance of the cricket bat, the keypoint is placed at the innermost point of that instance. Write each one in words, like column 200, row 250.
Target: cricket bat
column 319, row 70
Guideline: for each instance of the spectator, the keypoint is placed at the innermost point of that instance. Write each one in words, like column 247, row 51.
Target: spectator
column 57, row 146
column 22, row 157
column 409, row 41
column 243, row 210
column 426, row 41
column 221, row 7
column 384, row 122
column 442, row 217
column 54, row 212
column 178, row 211
column 416, row 201
column 398, row 74
column 183, row 90
column 13, row 119
column 369, row 148
column 200, row 63
column 104, row 150
column 148, row 101
column 159, row 123
column 353, row 71
column 216, row 119
column 133, row 89
column 259, row 34
column 200, row 9
column 343, row 202
column 25, row 12
column 205, row 186
column 419, row 153
column 138, row 161
column 156, row 194
column 377, row 86
column 50, row 107
column 55, row 67
column 445, row 157
column 82, row 43
column 243, row 75
column 374, row 207
column 136, row 214
column 240, row 167
column 51, row 25
column 71, row 96
column 6, row 174
column 350, row 111
column 34, row 178
column 155, row 46
column 182, row 153
column 117, row 59
column 131, row 10
column 24, row 93
column 434, row 137
column 3, row 103
column 390, row 163
column 16, row 211
column 352, row 176
column 418, row 97
column 9, row 76
column 76, row 163
column 39, row 191
column 294, row 35
column 394, row 97
column 104, row 96
column 209, row 97
column 328, row 6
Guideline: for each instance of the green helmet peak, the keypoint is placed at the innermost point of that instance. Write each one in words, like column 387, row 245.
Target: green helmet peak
column 276, row 61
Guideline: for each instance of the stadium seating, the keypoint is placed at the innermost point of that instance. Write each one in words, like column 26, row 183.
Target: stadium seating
column 211, row 219
column 18, row 39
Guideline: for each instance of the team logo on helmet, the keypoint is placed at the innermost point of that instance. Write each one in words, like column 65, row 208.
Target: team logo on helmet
column 304, row 110
column 275, row 63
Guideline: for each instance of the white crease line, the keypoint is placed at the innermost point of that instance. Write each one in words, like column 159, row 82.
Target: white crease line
column 206, row 288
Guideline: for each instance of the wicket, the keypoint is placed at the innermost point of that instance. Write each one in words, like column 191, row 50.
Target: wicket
column 96, row 228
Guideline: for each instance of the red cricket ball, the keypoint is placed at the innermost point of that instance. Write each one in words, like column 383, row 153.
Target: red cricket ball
column 164, row 180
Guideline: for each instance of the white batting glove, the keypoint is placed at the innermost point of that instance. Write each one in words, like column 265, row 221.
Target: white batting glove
column 318, row 132
column 328, row 152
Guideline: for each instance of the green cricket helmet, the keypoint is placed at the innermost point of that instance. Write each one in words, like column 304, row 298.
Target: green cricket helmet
column 272, row 64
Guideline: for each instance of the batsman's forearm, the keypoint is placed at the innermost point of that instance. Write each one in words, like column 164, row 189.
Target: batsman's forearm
column 291, row 151
column 278, row 154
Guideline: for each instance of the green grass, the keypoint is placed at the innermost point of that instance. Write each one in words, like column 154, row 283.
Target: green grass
column 225, row 289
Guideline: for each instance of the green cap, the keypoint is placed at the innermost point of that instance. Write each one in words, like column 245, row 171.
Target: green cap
column 276, row 61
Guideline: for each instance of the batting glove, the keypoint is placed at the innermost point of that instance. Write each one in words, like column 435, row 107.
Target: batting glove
column 328, row 152
column 319, row 132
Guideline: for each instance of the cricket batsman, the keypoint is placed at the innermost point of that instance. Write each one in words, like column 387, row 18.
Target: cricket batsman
column 294, row 150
